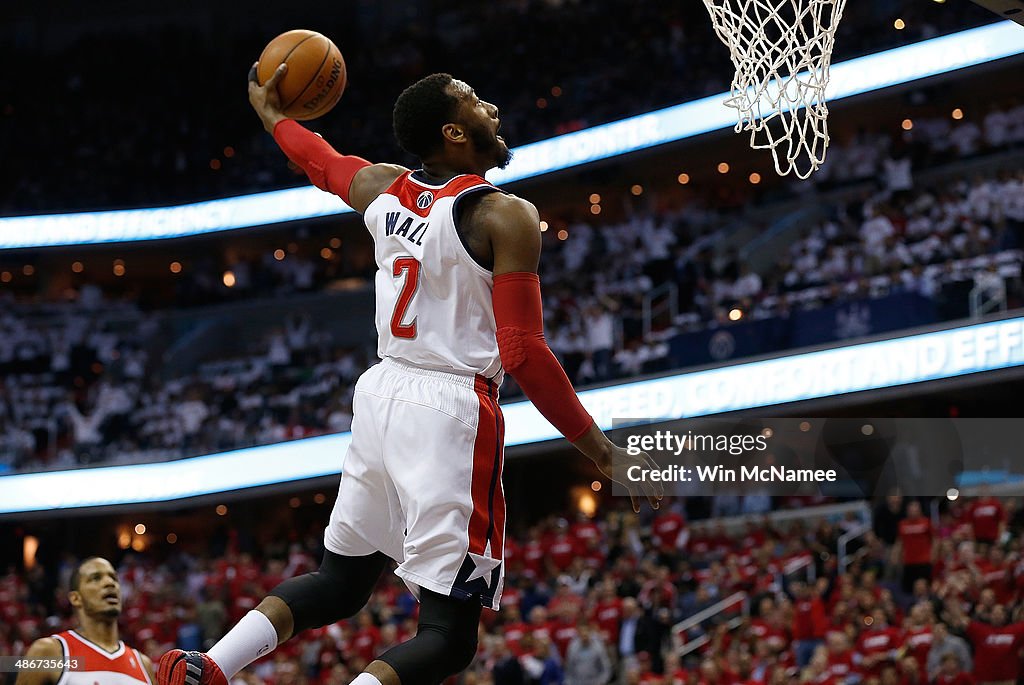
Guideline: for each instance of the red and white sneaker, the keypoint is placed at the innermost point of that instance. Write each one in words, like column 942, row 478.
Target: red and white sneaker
column 178, row 667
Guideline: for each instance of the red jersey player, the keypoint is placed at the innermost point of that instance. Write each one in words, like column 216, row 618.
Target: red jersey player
column 458, row 306
column 91, row 652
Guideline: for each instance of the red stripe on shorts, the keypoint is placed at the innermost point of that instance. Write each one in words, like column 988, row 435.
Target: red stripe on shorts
column 498, row 494
column 484, row 451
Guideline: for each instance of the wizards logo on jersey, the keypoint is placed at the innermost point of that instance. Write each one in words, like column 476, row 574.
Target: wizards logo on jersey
column 405, row 230
column 425, row 199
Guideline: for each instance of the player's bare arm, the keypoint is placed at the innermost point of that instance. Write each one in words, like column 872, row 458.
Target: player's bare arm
column 512, row 227
column 147, row 664
column 353, row 179
column 43, row 648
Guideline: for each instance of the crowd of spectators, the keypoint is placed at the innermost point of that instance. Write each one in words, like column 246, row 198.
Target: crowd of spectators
column 78, row 387
column 50, row 351
column 124, row 137
column 295, row 268
column 924, row 142
column 931, row 596
column 919, row 241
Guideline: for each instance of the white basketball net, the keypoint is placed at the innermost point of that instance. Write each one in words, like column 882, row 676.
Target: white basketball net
column 781, row 50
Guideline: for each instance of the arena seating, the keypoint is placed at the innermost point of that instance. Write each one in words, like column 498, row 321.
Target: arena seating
column 80, row 387
column 632, row 580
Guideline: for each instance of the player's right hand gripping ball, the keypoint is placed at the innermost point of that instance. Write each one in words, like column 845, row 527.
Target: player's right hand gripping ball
column 316, row 75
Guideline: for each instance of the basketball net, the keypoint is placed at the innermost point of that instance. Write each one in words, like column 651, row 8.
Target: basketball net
column 781, row 50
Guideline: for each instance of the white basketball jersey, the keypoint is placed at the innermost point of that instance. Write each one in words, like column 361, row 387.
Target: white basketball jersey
column 433, row 299
column 94, row 665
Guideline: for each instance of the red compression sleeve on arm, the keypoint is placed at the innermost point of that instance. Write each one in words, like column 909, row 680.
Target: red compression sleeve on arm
column 525, row 354
column 326, row 167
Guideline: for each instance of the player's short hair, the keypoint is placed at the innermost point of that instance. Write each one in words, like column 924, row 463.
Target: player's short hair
column 76, row 576
column 420, row 112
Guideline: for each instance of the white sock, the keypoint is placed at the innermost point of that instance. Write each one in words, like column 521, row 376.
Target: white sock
column 365, row 679
column 250, row 639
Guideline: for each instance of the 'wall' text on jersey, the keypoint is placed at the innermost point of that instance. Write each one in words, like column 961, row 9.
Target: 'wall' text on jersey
column 406, row 230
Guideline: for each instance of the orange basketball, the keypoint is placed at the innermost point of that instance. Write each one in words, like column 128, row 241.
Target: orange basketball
column 316, row 75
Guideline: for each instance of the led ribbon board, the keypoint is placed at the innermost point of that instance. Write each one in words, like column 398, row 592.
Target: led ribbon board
column 810, row 375
column 853, row 77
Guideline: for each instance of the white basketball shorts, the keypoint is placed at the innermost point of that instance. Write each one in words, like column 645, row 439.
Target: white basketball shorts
column 422, row 480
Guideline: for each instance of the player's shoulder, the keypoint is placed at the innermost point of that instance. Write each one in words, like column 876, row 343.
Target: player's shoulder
column 371, row 181
column 147, row 663
column 45, row 647
column 380, row 176
column 504, row 210
column 386, row 170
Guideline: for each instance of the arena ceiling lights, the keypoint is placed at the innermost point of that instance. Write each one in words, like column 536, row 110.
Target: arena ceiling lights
column 853, row 77
column 813, row 375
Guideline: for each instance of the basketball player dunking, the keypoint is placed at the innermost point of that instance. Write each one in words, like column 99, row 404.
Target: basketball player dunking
column 92, row 652
column 458, row 304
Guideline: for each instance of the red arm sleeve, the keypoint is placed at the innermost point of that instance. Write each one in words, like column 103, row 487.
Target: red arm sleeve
column 518, row 314
column 326, row 167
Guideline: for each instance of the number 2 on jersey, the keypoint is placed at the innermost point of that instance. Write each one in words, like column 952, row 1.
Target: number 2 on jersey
column 410, row 268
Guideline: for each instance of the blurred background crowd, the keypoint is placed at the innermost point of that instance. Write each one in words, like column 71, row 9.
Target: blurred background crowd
column 927, row 594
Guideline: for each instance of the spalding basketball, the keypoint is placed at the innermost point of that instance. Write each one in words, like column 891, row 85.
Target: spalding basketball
column 316, row 75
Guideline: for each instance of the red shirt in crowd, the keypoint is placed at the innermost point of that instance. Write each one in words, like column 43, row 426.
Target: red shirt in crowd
column 877, row 641
column 809, row 621
column 919, row 642
column 513, row 633
column 562, row 550
column 764, row 631
column 533, row 558
column 995, row 650
column 748, row 575
column 752, row 538
column 585, row 531
column 997, row 577
column 607, row 614
column 916, row 538
column 840, row 665
column 677, row 677
column 985, row 516
column 562, row 633
column 508, row 600
column 512, row 555
column 540, row 629
column 666, row 529
column 699, row 545
column 364, row 642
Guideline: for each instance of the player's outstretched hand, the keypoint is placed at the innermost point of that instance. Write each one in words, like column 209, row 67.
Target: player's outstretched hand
column 652, row 490
column 265, row 99
column 612, row 459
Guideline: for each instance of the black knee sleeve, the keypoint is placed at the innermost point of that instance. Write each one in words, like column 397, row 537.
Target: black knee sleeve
column 338, row 590
column 445, row 641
